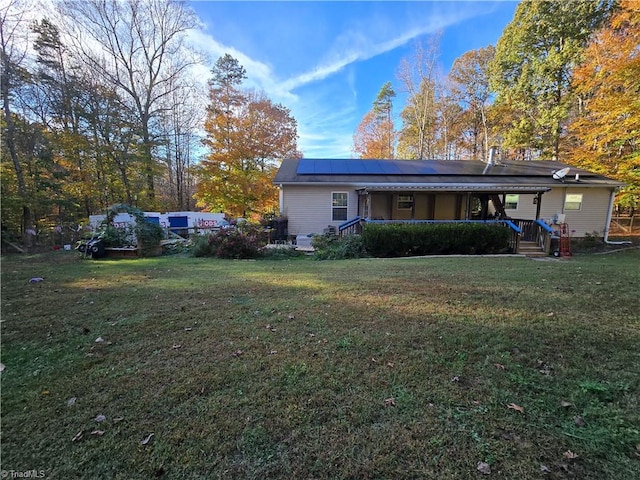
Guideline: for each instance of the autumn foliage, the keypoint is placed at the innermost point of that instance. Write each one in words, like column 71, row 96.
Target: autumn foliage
column 605, row 134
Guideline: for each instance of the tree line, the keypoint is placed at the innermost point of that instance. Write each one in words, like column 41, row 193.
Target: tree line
column 562, row 83
column 100, row 106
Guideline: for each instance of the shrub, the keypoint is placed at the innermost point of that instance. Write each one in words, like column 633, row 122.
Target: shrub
column 330, row 247
column 408, row 239
column 245, row 241
column 143, row 234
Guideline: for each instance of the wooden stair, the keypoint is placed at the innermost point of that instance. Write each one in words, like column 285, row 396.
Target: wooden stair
column 531, row 249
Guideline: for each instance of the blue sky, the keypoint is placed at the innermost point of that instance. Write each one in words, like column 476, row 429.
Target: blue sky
column 326, row 61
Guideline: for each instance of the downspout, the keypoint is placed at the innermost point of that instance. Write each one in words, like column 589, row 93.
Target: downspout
column 612, row 197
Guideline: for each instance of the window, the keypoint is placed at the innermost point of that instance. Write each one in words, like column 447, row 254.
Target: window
column 573, row 201
column 405, row 202
column 511, row 201
column 339, row 206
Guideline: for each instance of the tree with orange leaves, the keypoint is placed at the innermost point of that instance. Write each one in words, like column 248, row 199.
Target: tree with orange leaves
column 606, row 132
column 375, row 136
column 247, row 136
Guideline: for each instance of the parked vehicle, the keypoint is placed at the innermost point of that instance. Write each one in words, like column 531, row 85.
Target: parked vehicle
column 95, row 246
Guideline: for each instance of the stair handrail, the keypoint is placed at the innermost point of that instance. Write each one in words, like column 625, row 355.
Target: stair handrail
column 544, row 235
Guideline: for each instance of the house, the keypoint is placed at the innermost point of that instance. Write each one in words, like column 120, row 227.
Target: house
column 319, row 195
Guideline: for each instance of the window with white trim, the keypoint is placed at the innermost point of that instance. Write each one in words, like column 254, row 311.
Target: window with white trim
column 339, row 205
column 405, row 202
column 573, row 201
column 511, row 201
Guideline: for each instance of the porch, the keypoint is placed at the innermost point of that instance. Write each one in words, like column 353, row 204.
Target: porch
column 528, row 237
column 419, row 205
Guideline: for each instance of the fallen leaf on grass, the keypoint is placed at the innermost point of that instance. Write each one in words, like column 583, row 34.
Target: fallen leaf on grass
column 98, row 433
column 515, row 407
column 499, row 366
column 484, row 467
column 390, row 402
column 390, row 364
column 2, row 367
column 579, row 421
column 176, row 346
column 291, row 316
column 71, row 402
column 544, row 469
column 100, row 418
column 77, row 436
column 147, row 439
column 570, row 455
column 99, row 340
column 237, row 353
column 565, row 404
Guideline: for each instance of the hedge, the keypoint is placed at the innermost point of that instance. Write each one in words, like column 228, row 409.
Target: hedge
column 415, row 239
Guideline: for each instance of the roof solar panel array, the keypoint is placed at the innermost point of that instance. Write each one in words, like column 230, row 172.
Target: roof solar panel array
column 308, row 166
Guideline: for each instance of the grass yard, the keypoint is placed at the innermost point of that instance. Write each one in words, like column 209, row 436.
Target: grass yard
column 430, row 368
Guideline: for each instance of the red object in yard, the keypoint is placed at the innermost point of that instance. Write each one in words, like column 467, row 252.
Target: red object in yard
column 56, row 247
column 565, row 240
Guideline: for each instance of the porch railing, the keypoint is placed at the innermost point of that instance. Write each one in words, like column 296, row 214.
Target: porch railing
column 536, row 231
column 350, row 227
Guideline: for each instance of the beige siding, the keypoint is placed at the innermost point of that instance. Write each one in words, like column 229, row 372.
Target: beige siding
column 308, row 208
column 380, row 206
column 445, row 207
column 590, row 218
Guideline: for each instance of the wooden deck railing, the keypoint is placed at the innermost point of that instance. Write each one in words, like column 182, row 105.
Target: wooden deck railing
column 535, row 231
column 350, row 227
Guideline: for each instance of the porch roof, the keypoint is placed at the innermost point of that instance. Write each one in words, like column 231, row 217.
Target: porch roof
column 469, row 187
column 454, row 175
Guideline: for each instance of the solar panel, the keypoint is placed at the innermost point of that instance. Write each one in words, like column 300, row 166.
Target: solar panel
column 357, row 166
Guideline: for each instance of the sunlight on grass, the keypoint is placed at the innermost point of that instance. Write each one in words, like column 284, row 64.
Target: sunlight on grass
column 304, row 369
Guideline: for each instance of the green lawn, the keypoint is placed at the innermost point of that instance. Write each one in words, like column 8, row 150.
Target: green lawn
column 300, row 369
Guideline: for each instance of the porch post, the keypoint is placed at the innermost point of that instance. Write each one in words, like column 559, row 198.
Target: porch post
column 467, row 206
column 538, row 204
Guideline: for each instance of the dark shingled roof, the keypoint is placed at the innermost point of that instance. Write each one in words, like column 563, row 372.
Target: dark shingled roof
column 435, row 174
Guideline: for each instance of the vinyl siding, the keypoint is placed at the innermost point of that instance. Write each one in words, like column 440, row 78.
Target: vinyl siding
column 308, row 208
column 590, row 218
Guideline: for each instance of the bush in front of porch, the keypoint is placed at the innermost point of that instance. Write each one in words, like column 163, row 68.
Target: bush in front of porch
column 415, row 239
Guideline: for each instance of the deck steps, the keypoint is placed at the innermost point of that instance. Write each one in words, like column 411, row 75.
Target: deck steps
column 531, row 249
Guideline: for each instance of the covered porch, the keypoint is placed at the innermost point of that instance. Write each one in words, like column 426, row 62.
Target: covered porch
column 378, row 204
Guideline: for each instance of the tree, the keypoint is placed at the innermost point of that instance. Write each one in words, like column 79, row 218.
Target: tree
column 469, row 78
column 138, row 47
column 181, row 122
column 419, row 79
column 532, row 68
column 606, row 131
column 12, row 76
column 246, row 136
column 375, row 135
column 60, row 95
column 448, row 126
